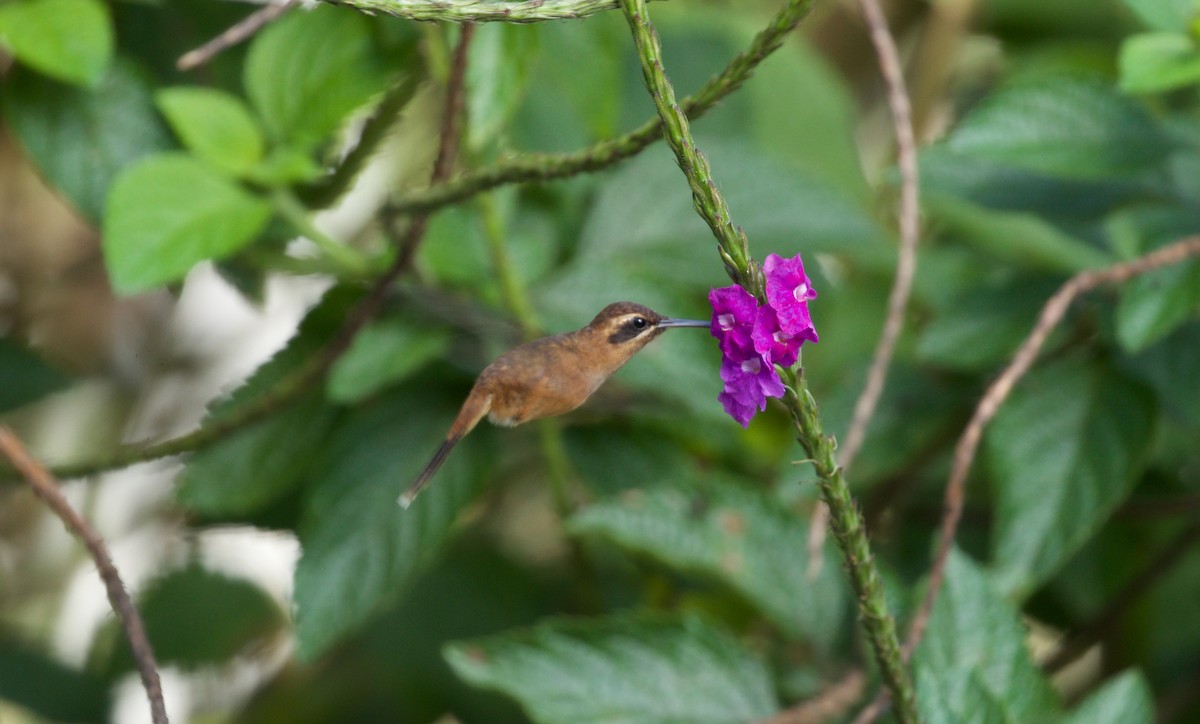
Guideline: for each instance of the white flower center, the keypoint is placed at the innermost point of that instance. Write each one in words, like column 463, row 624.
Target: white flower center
column 725, row 321
column 752, row 366
column 779, row 337
column 801, row 292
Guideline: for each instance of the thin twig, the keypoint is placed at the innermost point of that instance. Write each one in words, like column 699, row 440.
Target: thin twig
column 1094, row 630
column 968, row 443
column 547, row 167
column 830, row 704
column 878, row 625
column 46, row 487
column 237, row 33
column 906, row 262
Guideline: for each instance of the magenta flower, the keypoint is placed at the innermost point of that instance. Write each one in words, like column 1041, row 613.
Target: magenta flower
column 770, row 341
column 749, row 381
column 788, row 293
column 754, row 339
column 734, row 311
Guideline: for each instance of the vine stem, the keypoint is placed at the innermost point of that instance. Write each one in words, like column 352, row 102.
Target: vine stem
column 847, row 523
column 547, row 167
column 47, row 489
column 482, row 11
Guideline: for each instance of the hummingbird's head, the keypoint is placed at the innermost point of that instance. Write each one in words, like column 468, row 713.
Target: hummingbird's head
column 631, row 326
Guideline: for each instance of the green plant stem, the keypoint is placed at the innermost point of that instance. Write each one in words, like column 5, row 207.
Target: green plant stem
column 516, row 298
column 350, row 262
column 850, row 532
column 848, row 527
column 547, row 167
column 482, row 11
column 512, row 290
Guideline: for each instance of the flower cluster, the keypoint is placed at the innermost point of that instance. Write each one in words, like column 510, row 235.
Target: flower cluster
column 755, row 338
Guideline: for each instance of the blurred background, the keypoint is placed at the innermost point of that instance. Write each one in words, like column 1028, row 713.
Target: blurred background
column 1047, row 150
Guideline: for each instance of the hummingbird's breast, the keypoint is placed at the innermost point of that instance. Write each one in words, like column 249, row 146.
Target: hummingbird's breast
column 545, row 377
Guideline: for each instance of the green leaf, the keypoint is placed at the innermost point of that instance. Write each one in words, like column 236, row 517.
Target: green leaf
column 1169, row 366
column 37, row 682
column 81, row 139
column 214, row 125
column 1165, row 15
column 651, row 670
column 256, row 465
column 1063, row 127
column 307, row 72
column 1156, row 62
column 361, row 549
column 1124, row 700
column 1065, row 450
column 1024, row 240
column 500, row 58
column 71, row 40
column 738, row 536
column 980, row 329
column 224, row 616
column 972, row 664
column 1155, row 304
column 383, row 354
column 171, row 212
column 1006, row 188
column 26, row 376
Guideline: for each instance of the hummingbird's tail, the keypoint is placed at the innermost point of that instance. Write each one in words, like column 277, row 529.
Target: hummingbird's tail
column 439, row 457
column 473, row 410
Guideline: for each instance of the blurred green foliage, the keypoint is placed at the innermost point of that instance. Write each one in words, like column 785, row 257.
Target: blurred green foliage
column 673, row 587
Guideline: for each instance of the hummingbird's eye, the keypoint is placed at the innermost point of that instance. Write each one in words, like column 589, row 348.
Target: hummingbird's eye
column 638, row 323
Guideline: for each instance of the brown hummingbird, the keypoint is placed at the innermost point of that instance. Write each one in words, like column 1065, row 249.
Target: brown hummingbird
column 551, row 375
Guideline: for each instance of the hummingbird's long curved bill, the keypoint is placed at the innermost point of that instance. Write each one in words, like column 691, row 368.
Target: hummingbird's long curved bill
column 683, row 323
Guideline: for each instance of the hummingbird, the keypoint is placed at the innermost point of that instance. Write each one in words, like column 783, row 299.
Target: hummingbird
column 551, row 375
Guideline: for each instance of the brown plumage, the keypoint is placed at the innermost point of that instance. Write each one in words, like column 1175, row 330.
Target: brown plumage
column 551, row 375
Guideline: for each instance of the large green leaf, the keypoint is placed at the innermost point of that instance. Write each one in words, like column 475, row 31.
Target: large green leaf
column 224, row 616
column 1170, row 367
column 1124, row 700
column 171, row 212
column 361, row 549
column 1065, row 127
column 26, row 376
column 1007, row 188
column 306, row 73
column 983, row 327
column 383, row 354
column 972, row 664
column 214, row 125
column 256, row 465
column 1065, row 450
column 71, row 40
column 733, row 534
column 46, row 687
column 623, row 669
column 500, row 59
column 1024, row 240
column 80, row 139
column 1153, row 305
